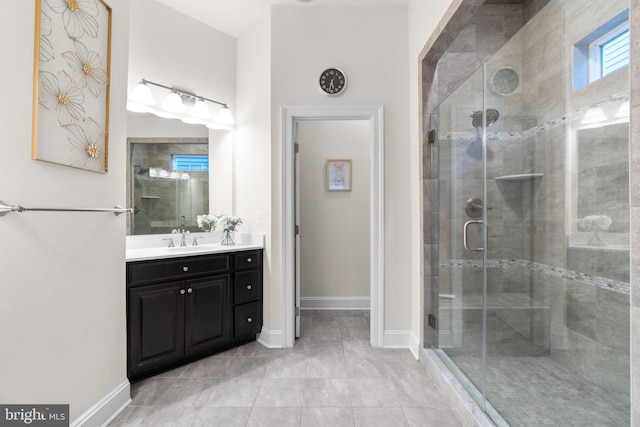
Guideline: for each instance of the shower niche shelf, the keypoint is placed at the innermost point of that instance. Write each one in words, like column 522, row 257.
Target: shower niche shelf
column 519, row 177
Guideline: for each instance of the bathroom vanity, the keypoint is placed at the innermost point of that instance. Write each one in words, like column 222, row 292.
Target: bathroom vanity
column 189, row 303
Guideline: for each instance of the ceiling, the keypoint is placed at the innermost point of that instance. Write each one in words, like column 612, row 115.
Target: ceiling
column 234, row 17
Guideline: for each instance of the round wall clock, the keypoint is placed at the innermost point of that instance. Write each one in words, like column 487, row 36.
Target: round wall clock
column 332, row 81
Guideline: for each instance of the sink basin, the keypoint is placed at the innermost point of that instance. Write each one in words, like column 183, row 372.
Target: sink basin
column 190, row 248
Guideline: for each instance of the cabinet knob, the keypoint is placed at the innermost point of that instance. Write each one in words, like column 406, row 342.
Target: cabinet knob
column 249, row 319
column 248, row 259
column 181, row 291
column 185, row 268
column 190, row 290
column 249, row 287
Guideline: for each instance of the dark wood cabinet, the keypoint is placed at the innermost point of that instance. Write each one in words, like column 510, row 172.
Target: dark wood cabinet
column 181, row 309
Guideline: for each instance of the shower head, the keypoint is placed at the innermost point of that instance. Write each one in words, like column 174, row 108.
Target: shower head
column 492, row 117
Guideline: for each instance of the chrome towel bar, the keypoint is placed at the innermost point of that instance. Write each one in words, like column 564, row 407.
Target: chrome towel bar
column 5, row 209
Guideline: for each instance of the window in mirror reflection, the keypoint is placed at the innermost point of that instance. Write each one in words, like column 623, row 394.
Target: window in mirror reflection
column 169, row 184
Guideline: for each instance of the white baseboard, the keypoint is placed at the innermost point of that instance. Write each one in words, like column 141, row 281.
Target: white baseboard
column 402, row 339
column 107, row 408
column 271, row 339
column 335, row 303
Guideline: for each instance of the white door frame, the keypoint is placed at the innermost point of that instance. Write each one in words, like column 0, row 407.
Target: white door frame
column 375, row 115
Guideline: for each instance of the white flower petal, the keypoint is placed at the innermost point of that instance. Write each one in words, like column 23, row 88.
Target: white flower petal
column 49, row 83
column 72, row 24
column 49, row 100
column 46, row 49
column 89, row 6
column 58, row 6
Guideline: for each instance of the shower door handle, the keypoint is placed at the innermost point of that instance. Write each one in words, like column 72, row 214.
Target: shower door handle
column 465, row 235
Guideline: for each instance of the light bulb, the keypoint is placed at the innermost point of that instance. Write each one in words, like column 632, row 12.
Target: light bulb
column 173, row 103
column 225, row 117
column 141, row 94
column 201, row 110
column 624, row 111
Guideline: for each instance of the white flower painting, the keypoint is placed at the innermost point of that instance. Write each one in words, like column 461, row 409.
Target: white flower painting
column 72, row 83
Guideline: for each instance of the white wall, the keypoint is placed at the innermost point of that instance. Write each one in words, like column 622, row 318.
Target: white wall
column 370, row 45
column 252, row 156
column 62, row 311
column 335, row 235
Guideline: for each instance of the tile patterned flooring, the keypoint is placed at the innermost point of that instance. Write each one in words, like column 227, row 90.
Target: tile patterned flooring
column 538, row 391
column 331, row 377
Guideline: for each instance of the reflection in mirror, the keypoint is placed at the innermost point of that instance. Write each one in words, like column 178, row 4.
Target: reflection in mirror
column 168, row 183
column 603, row 186
column 599, row 243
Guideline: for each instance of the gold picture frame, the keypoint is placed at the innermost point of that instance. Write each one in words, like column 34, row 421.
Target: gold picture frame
column 338, row 173
column 72, row 62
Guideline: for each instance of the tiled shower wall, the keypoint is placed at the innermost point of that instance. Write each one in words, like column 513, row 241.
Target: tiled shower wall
column 589, row 323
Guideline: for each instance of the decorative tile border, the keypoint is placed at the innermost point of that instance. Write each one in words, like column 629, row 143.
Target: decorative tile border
column 528, row 133
column 587, row 279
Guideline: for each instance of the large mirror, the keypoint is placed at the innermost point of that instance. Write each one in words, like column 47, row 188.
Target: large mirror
column 599, row 241
column 169, row 183
column 171, row 177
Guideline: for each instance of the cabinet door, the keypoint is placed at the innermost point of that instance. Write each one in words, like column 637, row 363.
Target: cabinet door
column 207, row 322
column 156, row 325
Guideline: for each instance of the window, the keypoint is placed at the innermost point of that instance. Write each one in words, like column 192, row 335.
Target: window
column 609, row 53
column 189, row 162
column 602, row 52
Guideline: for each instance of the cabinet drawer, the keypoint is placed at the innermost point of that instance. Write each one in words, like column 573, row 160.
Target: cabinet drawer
column 247, row 259
column 150, row 271
column 247, row 319
column 246, row 286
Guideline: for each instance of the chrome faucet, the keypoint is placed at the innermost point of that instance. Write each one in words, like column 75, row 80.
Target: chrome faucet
column 183, row 236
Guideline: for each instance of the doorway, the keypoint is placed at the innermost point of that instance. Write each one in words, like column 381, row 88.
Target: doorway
column 374, row 116
column 333, row 158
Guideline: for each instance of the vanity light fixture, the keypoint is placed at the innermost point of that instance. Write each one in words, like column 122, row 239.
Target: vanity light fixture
column 179, row 104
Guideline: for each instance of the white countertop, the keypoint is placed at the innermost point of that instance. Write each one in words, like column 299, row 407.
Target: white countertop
column 148, row 247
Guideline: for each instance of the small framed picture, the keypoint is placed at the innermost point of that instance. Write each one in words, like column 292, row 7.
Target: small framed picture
column 338, row 175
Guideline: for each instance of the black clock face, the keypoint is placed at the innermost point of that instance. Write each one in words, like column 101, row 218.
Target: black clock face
column 332, row 81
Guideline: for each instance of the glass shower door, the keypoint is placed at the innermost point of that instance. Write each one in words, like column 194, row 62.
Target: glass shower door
column 462, row 203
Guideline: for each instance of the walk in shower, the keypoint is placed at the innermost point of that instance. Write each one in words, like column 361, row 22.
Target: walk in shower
column 529, row 270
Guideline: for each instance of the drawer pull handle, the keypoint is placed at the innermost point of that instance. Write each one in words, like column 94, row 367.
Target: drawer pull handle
column 185, row 268
column 248, row 259
column 249, row 287
column 190, row 290
column 181, row 291
column 249, row 319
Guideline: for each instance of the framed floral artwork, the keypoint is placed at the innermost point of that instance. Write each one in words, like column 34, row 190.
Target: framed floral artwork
column 71, row 83
column 338, row 175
